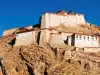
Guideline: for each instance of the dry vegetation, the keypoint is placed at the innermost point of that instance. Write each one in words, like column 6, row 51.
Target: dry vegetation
column 87, row 29
column 36, row 60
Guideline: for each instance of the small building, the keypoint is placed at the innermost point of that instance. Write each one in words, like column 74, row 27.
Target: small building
column 75, row 39
column 85, row 40
column 52, row 20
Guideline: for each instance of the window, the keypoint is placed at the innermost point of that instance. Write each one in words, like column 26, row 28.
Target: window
column 84, row 37
column 80, row 36
column 76, row 36
column 88, row 37
column 96, row 38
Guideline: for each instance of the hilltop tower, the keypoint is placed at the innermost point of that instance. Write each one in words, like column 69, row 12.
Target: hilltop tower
column 51, row 20
column 62, row 18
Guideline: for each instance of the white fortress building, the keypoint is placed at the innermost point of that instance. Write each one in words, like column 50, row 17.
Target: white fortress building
column 49, row 34
column 61, row 18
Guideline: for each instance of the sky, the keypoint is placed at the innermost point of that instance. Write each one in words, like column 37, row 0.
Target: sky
column 20, row 13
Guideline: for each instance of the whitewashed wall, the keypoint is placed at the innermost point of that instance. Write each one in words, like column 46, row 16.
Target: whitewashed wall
column 26, row 38
column 44, row 37
column 85, row 42
column 50, row 19
column 58, row 39
column 55, row 38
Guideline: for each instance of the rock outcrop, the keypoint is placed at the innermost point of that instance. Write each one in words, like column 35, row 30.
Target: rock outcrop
column 36, row 60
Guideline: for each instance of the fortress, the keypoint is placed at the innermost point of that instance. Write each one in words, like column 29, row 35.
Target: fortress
column 62, row 44
column 61, row 18
column 49, row 33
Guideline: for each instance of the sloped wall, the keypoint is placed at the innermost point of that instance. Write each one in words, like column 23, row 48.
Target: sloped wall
column 44, row 37
column 50, row 20
column 26, row 38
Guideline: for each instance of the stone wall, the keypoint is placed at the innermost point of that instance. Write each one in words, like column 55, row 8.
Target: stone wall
column 44, row 37
column 15, row 30
column 56, row 39
column 62, row 38
column 95, row 49
column 88, row 49
column 26, row 38
column 9, row 32
column 50, row 20
column 59, row 39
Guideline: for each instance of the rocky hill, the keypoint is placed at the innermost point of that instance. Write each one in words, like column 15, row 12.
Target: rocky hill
column 36, row 60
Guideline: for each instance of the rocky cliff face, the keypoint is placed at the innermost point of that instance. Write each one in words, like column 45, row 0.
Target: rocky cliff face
column 36, row 60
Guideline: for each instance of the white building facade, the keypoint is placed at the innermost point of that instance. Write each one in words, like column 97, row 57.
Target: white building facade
column 51, row 19
column 26, row 38
column 83, row 40
column 75, row 39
